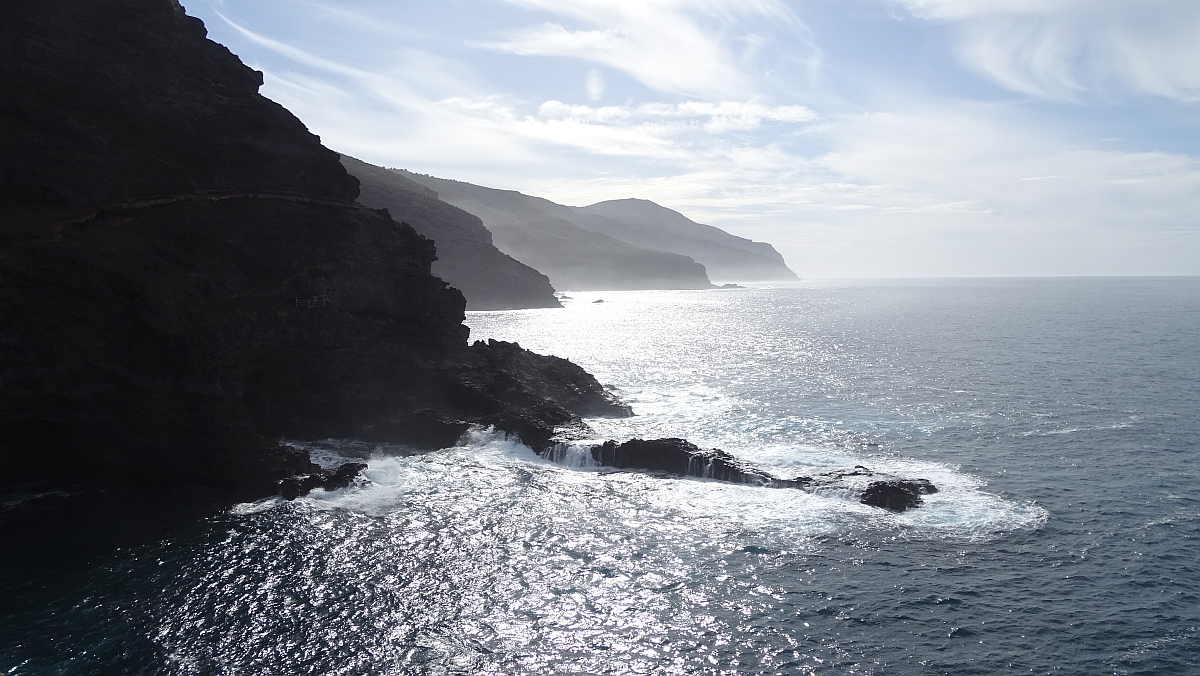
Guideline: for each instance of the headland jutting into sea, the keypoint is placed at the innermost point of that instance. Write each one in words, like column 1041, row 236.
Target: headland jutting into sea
column 188, row 279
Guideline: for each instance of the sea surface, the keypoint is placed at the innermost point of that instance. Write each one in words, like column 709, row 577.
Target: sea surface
column 1060, row 419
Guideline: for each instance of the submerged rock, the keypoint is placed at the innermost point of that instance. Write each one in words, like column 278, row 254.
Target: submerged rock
column 683, row 458
column 897, row 495
column 331, row 480
column 679, row 456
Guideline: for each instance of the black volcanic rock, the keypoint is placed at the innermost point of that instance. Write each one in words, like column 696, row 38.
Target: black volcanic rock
column 467, row 258
column 110, row 100
column 678, row 456
column 683, row 458
column 330, row 480
column 897, row 495
column 184, row 275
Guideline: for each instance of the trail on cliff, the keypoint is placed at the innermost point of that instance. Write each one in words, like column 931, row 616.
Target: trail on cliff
column 160, row 217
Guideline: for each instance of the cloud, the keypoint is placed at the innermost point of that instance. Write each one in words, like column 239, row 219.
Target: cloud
column 933, row 187
column 950, row 190
column 953, row 189
column 403, row 116
column 668, row 45
column 1065, row 49
column 689, row 116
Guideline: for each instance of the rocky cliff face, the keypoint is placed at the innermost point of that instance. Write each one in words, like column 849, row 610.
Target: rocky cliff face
column 184, row 275
column 106, row 101
column 467, row 258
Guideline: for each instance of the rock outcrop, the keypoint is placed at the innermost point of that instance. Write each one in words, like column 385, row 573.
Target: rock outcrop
column 683, row 458
column 897, row 495
column 185, row 276
column 467, row 258
column 331, row 480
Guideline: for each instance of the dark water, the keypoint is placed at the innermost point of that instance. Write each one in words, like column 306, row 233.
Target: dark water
column 1061, row 418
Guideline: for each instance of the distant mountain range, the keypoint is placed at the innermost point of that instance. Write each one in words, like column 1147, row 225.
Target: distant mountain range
column 619, row 244
column 467, row 259
column 536, row 232
column 643, row 223
column 500, row 246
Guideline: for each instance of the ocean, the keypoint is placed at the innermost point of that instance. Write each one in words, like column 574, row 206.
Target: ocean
column 1059, row 418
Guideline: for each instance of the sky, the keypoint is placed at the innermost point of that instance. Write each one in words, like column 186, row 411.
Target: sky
column 863, row 138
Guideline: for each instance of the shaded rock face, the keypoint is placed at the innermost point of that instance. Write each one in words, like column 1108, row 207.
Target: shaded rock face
column 683, row 458
column 467, row 258
column 104, row 101
column 184, row 275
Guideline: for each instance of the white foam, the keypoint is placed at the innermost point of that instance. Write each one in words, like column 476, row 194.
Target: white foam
column 264, row 505
column 488, row 468
column 575, row 455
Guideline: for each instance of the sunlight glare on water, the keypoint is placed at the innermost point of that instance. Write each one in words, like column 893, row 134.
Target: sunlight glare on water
column 1056, row 418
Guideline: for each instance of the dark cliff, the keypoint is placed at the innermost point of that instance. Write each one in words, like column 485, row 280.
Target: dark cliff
column 104, row 101
column 184, row 275
column 467, row 258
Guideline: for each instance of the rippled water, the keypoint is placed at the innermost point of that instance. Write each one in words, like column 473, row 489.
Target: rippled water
column 1058, row 417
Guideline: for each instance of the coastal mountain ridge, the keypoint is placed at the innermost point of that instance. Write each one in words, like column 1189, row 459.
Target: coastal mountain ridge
column 466, row 256
column 644, row 223
column 534, row 231
column 619, row 244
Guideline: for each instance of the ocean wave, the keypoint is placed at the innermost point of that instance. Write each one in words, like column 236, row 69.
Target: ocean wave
column 489, row 468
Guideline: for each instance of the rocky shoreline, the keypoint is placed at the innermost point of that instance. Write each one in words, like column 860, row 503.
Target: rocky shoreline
column 185, row 278
column 679, row 457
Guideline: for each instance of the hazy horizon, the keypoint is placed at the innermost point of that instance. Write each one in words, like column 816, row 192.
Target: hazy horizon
column 870, row 138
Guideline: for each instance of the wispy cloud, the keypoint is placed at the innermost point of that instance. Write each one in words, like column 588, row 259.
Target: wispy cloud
column 712, row 117
column 667, row 45
column 905, row 185
column 933, row 191
column 1065, row 49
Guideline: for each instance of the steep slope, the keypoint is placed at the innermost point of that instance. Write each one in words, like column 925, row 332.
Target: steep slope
column 184, row 275
column 535, row 232
column 467, row 259
column 99, row 107
column 646, row 224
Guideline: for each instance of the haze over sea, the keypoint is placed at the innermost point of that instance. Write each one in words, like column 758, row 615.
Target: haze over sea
column 1057, row 416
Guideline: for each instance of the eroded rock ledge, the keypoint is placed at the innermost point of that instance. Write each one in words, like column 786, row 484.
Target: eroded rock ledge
column 683, row 458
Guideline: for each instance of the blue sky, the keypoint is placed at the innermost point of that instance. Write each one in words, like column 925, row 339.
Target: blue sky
column 864, row 138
